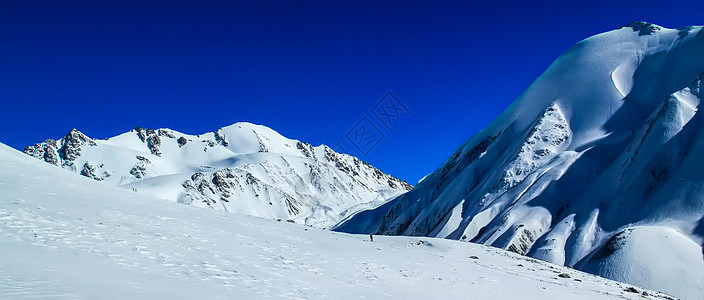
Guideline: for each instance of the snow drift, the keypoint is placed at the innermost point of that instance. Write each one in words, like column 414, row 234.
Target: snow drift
column 597, row 165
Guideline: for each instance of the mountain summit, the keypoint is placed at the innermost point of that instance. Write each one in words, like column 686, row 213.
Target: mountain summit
column 595, row 166
column 243, row 168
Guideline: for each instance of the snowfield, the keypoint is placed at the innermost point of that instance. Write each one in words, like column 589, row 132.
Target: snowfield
column 596, row 166
column 69, row 237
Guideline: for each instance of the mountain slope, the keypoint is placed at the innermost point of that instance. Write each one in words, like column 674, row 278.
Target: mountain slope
column 68, row 237
column 242, row 168
column 595, row 166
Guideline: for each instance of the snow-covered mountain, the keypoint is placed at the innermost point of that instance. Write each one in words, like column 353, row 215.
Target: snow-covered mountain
column 597, row 166
column 67, row 237
column 243, row 168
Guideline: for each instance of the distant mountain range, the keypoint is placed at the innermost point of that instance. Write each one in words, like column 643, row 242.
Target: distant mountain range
column 243, row 168
column 596, row 166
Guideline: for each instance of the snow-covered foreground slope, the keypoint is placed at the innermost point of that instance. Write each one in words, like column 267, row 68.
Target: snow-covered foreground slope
column 597, row 165
column 68, row 237
column 243, row 168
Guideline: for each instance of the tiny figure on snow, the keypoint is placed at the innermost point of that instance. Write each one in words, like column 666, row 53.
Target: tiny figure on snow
column 371, row 237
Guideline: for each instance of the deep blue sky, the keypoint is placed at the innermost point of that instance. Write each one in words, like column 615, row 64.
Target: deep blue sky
column 309, row 70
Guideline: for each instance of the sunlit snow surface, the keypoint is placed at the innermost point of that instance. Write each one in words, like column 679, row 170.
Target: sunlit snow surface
column 242, row 168
column 597, row 165
column 68, row 237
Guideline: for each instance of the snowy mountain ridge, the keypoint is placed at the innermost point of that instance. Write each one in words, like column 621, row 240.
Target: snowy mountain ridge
column 242, row 168
column 64, row 236
column 595, row 166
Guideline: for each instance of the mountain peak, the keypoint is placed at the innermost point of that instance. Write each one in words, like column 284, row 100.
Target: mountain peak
column 597, row 161
column 243, row 167
column 643, row 28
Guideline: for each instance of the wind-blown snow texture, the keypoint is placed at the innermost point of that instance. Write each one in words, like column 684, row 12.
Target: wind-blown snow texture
column 67, row 237
column 597, row 165
column 243, row 168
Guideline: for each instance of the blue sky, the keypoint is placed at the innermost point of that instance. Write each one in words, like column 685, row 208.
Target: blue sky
column 310, row 70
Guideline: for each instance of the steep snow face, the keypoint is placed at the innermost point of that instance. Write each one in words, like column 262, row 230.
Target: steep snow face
column 242, row 168
column 64, row 236
column 608, row 138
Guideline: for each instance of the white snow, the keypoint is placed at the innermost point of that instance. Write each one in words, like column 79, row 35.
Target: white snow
column 608, row 138
column 242, row 168
column 64, row 236
column 649, row 256
column 623, row 77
